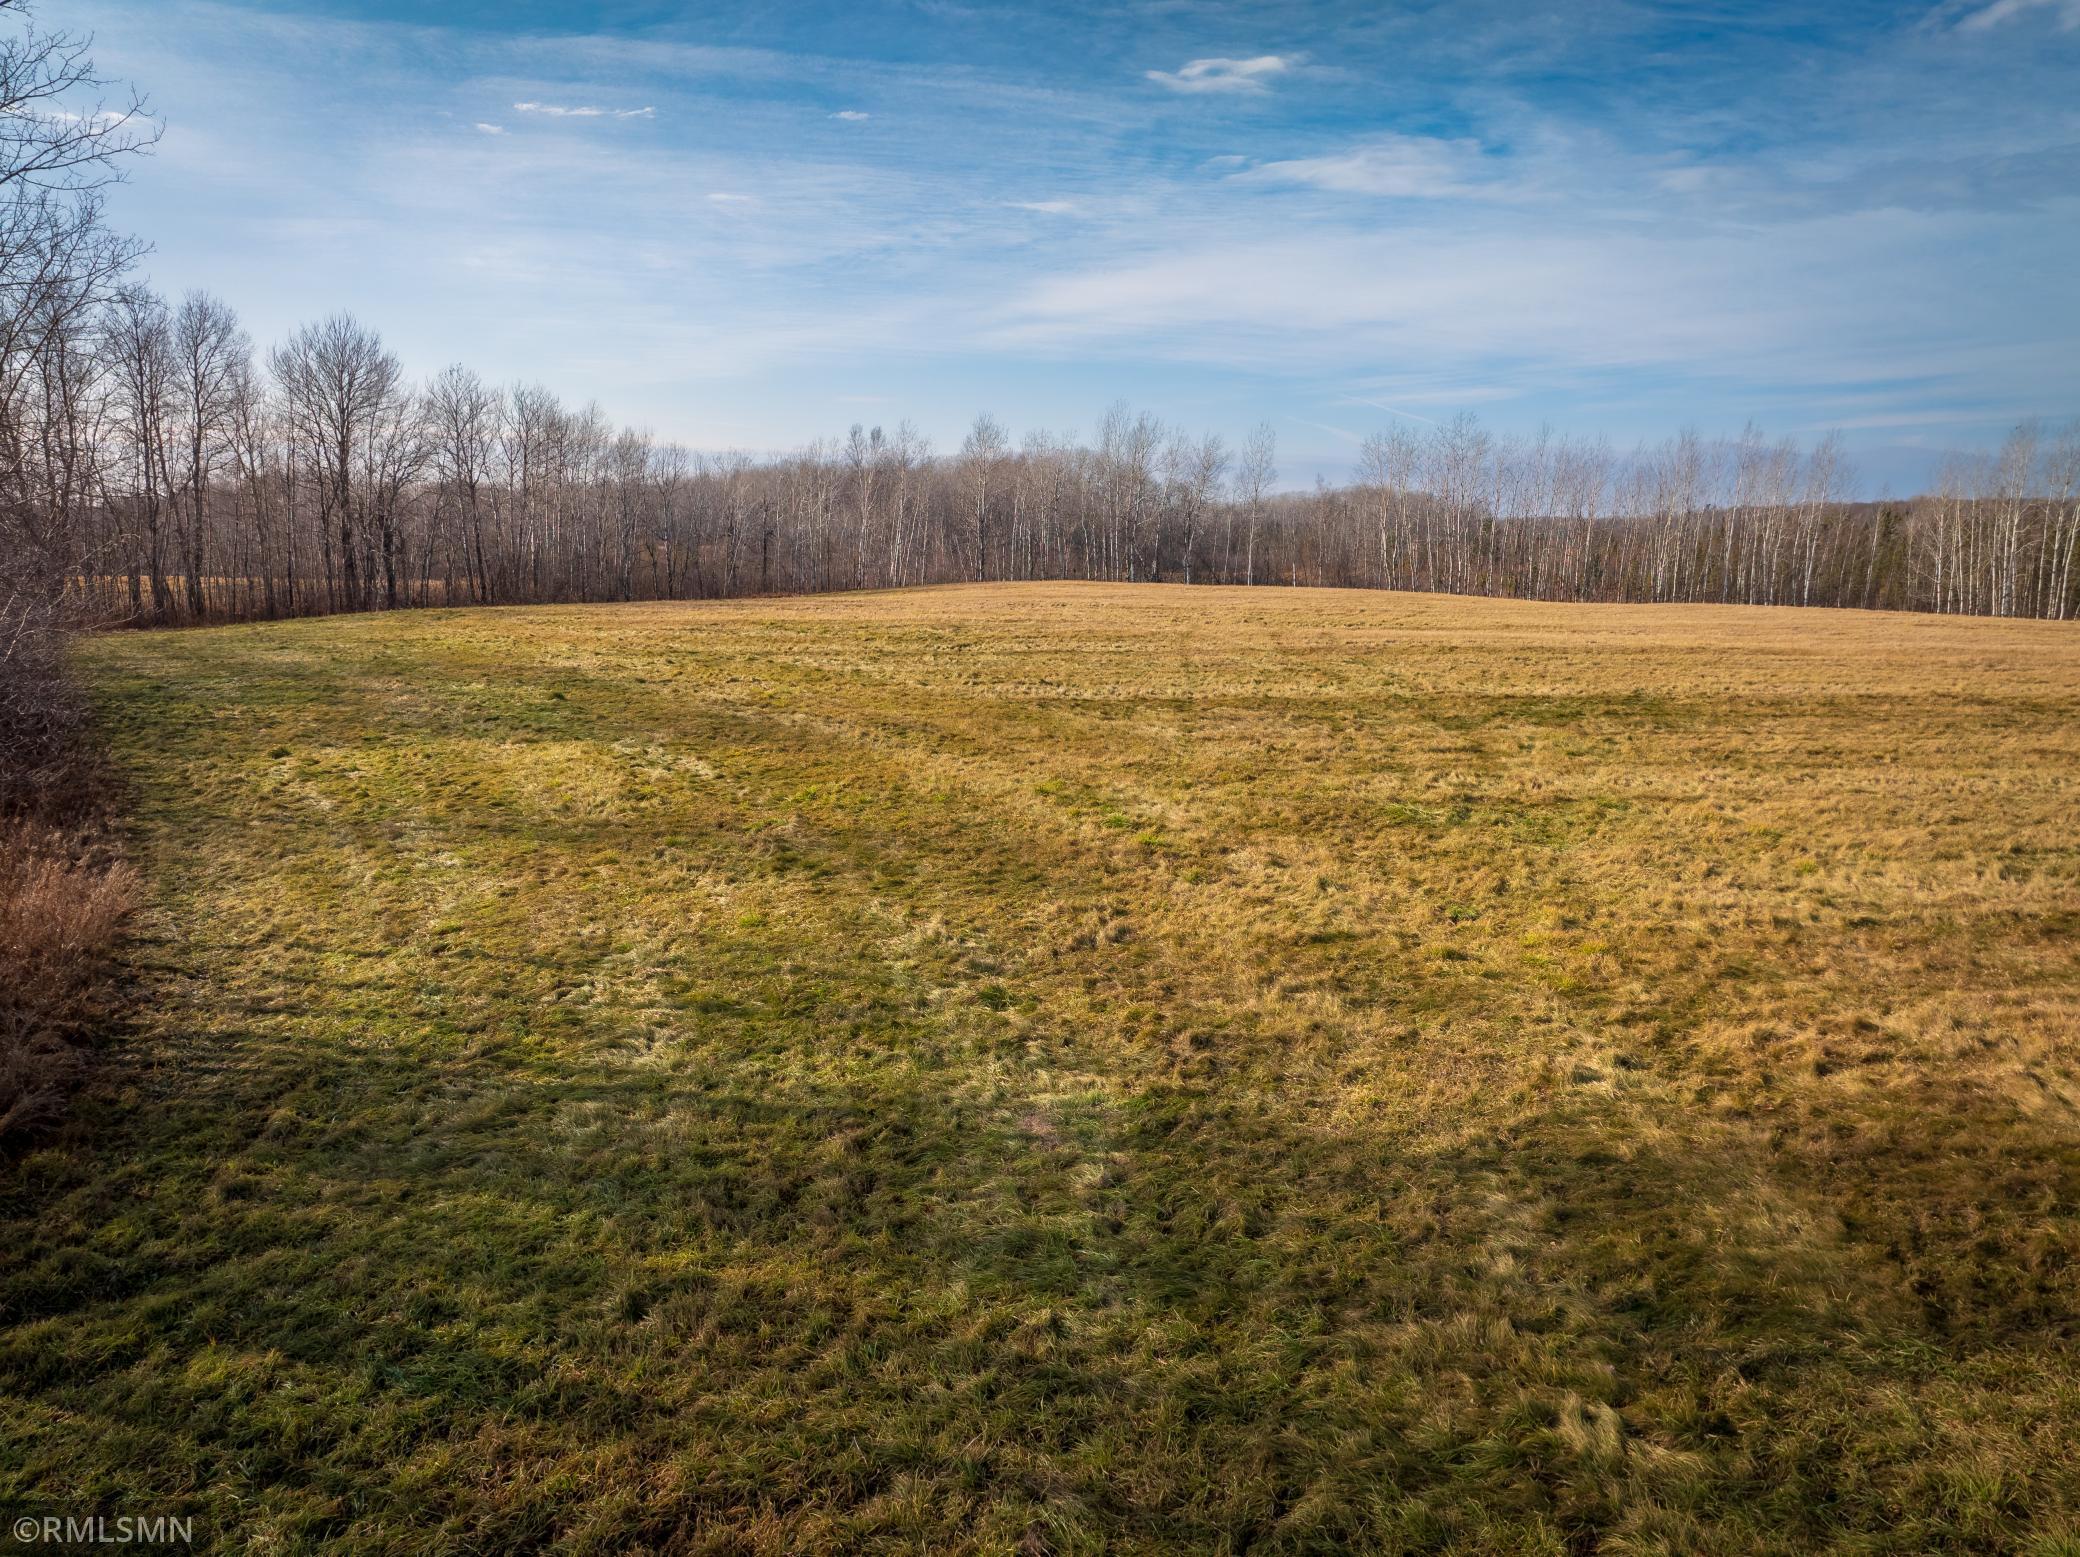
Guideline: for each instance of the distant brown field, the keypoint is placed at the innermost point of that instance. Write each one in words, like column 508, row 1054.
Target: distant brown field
column 225, row 597
column 1062, row 1068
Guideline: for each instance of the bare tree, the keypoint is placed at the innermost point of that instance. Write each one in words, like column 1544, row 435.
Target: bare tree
column 61, row 145
column 1253, row 478
column 1192, row 471
column 209, row 353
column 336, row 382
column 395, row 449
column 463, row 415
column 137, row 341
column 982, row 457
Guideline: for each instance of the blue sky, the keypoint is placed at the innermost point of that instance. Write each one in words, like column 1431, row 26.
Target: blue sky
column 752, row 225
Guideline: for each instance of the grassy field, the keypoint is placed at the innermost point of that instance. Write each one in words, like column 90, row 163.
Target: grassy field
column 1061, row 1069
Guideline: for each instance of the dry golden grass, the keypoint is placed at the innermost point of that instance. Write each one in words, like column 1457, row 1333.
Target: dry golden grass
column 63, row 893
column 62, row 904
column 1074, row 1068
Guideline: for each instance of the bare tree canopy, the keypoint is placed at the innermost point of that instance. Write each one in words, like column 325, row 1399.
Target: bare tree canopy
column 326, row 481
column 60, row 145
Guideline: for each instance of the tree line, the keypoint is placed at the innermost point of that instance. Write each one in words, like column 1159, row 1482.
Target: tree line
column 191, row 478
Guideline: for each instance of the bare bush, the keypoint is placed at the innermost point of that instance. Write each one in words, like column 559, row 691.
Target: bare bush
column 42, row 716
column 63, row 893
column 62, row 906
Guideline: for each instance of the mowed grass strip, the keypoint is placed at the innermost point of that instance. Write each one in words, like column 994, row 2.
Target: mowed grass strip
column 1061, row 1069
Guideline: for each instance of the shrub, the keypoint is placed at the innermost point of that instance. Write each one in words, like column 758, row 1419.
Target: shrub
column 63, row 891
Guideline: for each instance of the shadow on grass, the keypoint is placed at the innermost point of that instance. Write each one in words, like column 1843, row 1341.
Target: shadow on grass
column 351, row 1294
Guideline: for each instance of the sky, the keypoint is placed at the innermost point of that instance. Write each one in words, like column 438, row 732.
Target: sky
column 753, row 225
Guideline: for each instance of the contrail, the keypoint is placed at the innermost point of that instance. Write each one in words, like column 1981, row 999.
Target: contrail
column 1392, row 411
column 1341, row 432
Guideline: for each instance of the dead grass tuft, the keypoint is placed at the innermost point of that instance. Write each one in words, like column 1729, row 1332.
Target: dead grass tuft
column 61, row 909
column 63, row 893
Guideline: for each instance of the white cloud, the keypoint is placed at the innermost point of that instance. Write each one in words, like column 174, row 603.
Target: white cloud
column 103, row 120
column 583, row 111
column 724, row 197
column 851, row 115
column 491, row 129
column 1689, row 180
column 2067, row 12
column 1223, row 75
column 1396, row 165
column 1044, row 207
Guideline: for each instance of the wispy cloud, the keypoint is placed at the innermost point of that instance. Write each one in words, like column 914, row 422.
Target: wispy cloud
column 583, row 111
column 2067, row 13
column 106, row 118
column 491, row 129
column 725, row 197
column 1428, row 391
column 1404, row 166
column 1815, row 303
column 1044, row 207
column 1691, row 178
column 1224, row 75
column 2004, row 417
column 851, row 115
